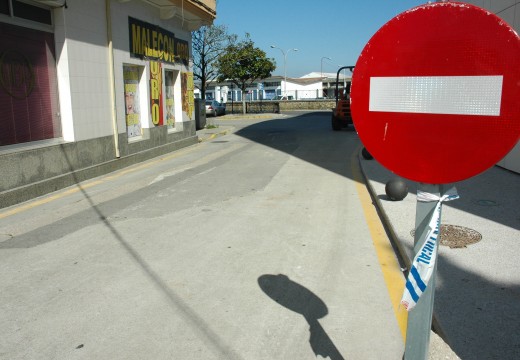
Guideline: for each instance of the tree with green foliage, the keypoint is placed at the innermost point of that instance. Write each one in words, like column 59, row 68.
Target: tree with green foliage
column 208, row 43
column 242, row 64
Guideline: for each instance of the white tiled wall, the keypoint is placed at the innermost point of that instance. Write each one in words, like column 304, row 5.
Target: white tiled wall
column 83, row 68
column 509, row 10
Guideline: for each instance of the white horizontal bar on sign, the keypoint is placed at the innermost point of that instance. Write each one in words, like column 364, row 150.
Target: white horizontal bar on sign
column 457, row 95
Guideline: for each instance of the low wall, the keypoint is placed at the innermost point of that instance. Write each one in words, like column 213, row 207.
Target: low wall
column 277, row 106
column 307, row 105
column 34, row 169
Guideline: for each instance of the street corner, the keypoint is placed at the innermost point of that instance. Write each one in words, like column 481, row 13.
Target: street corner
column 212, row 133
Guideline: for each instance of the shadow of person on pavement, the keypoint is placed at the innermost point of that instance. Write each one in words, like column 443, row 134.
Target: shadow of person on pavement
column 299, row 299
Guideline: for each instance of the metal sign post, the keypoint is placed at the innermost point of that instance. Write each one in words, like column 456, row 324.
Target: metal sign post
column 420, row 319
column 420, row 284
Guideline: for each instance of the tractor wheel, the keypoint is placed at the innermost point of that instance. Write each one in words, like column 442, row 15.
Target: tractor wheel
column 336, row 123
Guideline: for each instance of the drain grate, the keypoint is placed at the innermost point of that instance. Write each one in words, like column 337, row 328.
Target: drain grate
column 486, row 202
column 456, row 236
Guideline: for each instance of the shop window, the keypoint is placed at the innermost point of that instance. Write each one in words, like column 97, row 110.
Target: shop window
column 132, row 76
column 24, row 10
column 4, row 7
column 187, row 90
column 169, row 101
column 28, row 86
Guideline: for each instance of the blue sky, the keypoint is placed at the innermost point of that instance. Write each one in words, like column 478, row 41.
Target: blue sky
column 338, row 29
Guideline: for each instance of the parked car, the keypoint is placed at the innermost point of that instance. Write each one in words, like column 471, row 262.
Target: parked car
column 214, row 108
column 283, row 97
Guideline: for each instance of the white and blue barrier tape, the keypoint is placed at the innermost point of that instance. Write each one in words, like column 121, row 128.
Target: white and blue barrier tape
column 423, row 264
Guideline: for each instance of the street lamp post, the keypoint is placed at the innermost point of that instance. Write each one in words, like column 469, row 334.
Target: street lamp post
column 284, row 66
column 328, row 58
column 324, row 57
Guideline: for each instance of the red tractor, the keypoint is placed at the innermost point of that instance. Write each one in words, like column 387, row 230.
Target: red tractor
column 341, row 117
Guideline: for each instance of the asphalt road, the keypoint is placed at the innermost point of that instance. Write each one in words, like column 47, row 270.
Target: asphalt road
column 251, row 246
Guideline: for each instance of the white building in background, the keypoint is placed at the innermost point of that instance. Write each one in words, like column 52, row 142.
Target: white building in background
column 308, row 87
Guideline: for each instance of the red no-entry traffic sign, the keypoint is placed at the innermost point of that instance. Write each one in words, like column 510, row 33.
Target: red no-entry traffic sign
column 436, row 92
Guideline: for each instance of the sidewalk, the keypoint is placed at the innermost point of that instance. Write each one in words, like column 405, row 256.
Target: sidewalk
column 477, row 307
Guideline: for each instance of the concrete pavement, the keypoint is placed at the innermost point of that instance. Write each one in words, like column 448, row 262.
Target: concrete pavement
column 178, row 257
column 476, row 313
column 98, row 271
column 478, row 285
column 214, row 126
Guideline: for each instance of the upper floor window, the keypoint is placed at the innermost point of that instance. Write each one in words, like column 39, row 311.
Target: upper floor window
column 26, row 10
column 4, row 7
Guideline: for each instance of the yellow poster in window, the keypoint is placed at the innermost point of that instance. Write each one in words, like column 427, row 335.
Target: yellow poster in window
column 188, row 100
column 191, row 96
column 169, row 99
column 132, row 111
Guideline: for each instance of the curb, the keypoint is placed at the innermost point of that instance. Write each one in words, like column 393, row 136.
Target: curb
column 402, row 257
column 46, row 186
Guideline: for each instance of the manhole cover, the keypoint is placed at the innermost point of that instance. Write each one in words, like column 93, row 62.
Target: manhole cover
column 456, row 236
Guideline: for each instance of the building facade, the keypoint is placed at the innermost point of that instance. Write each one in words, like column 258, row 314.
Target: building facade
column 509, row 10
column 308, row 87
column 87, row 87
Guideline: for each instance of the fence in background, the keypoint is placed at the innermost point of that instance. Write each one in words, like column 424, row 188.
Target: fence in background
column 275, row 106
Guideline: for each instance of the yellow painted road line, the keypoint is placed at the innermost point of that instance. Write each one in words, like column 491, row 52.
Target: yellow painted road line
column 392, row 274
column 47, row 199
column 88, row 184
